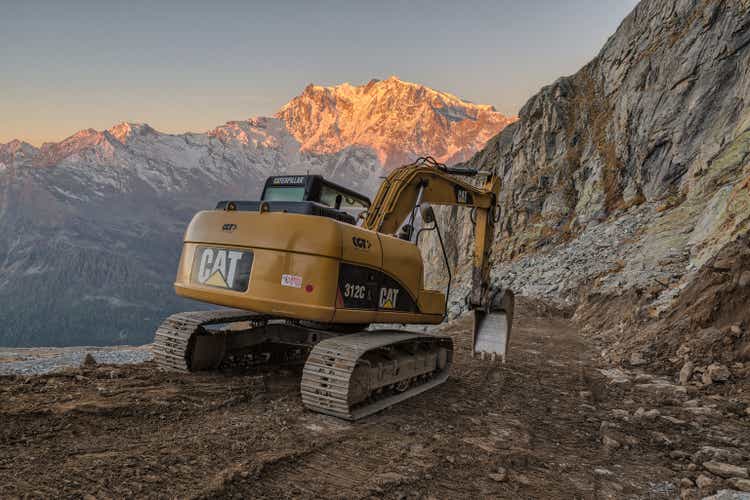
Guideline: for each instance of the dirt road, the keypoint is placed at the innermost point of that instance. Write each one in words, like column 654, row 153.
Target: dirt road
column 547, row 424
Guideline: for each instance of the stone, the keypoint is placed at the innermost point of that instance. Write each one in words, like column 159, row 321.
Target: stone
column 637, row 359
column 500, row 476
column 716, row 454
column 739, row 484
column 704, row 411
column 88, row 361
column 704, row 482
column 688, row 494
column 686, row 372
column 728, row 495
column 651, row 414
column 647, row 414
column 661, row 439
column 679, row 454
column 603, row 472
column 686, row 482
column 610, row 443
column 744, row 279
column 673, row 420
column 743, row 353
column 620, row 414
column 616, row 376
column 725, row 470
column 716, row 372
column 643, row 378
column 524, row 479
column 389, row 477
column 663, row 393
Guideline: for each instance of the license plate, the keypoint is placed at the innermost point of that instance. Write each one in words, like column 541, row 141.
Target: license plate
column 222, row 268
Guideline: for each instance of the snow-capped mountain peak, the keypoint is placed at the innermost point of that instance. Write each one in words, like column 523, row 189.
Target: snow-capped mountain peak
column 398, row 120
column 124, row 130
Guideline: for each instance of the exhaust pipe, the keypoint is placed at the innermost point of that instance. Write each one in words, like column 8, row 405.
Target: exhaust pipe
column 492, row 325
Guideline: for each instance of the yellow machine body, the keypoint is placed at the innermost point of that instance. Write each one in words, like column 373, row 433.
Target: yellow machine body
column 299, row 254
column 305, row 267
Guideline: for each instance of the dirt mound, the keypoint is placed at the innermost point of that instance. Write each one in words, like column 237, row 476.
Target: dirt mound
column 708, row 321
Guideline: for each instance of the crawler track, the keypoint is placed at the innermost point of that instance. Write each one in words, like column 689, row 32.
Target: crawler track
column 175, row 337
column 349, row 376
column 330, row 378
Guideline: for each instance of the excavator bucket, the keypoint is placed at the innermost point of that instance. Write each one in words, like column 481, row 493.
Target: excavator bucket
column 492, row 326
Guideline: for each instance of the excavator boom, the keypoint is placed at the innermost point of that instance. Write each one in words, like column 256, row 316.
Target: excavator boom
column 427, row 182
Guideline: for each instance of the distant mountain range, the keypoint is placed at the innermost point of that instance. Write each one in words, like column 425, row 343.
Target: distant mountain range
column 92, row 225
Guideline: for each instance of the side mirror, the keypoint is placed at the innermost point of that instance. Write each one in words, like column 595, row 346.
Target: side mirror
column 428, row 215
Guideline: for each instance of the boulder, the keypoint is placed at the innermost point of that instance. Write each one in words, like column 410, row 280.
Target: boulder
column 725, row 470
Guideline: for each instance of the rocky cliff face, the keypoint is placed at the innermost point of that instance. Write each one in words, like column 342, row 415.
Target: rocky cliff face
column 92, row 226
column 630, row 175
column 398, row 120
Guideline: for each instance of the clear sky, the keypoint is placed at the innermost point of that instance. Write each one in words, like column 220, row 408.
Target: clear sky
column 184, row 65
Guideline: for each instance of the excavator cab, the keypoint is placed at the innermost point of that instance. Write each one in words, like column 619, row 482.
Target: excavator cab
column 313, row 188
column 305, row 195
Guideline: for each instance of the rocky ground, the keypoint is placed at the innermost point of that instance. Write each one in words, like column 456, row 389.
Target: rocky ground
column 554, row 422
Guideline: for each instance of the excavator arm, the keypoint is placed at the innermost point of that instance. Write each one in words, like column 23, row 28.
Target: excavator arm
column 411, row 188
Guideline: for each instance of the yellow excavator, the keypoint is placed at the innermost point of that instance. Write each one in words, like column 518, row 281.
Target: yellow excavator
column 310, row 266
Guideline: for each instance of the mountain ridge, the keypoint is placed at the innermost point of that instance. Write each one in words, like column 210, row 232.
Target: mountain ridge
column 477, row 124
column 93, row 224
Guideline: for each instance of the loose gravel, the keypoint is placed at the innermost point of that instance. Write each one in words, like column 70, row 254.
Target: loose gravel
column 47, row 360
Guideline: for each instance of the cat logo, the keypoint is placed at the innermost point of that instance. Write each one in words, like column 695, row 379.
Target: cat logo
column 229, row 227
column 388, row 298
column 218, row 267
column 361, row 243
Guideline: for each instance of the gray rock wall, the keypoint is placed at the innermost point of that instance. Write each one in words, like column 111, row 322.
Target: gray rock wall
column 631, row 173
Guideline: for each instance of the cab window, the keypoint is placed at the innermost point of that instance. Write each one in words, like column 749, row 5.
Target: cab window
column 334, row 198
column 284, row 193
